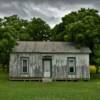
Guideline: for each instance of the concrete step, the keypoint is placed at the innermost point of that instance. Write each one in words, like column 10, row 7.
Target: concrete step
column 47, row 80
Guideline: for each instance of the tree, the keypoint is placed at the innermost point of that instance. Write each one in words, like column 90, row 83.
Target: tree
column 7, row 42
column 58, row 32
column 13, row 28
column 38, row 30
column 20, row 26
column 10, row 31
column 83, row 28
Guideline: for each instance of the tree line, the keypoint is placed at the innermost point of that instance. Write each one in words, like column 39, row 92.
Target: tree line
column 81, row 27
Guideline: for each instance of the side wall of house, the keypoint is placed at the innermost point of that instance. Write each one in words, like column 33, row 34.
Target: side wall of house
column 59, row 65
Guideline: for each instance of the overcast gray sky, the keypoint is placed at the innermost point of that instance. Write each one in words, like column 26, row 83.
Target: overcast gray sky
column 49, row 10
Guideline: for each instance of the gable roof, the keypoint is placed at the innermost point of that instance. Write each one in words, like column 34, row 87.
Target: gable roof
column 48, row 47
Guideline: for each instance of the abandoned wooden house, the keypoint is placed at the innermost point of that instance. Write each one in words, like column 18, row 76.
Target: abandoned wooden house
column 49, row 60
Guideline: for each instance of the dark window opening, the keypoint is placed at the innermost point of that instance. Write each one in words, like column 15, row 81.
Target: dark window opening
column 71, row 69
column 25, row 69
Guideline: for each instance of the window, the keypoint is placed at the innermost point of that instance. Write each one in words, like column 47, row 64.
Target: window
column 71, row 65
column 71, row 69
column 24, row 64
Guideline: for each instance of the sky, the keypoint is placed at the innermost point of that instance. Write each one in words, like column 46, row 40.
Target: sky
column 50, row 11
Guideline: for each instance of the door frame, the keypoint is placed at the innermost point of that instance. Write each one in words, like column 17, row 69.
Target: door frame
column 47, row 58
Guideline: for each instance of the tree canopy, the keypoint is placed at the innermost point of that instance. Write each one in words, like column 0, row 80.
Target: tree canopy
column 13, row 28
column 81, row 27
column 38, row 30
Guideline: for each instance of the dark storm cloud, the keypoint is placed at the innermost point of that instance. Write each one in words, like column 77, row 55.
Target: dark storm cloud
column 49, row 10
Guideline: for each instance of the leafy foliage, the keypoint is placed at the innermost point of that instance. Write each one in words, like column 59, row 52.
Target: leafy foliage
column 38, row 30
column 83, row 28
column 13, row 28
column 92, row 69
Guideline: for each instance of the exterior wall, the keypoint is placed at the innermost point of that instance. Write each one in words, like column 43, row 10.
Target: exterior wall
column 59, row 66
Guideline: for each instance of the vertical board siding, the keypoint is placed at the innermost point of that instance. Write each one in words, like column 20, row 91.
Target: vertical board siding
column 12, row 68
column 59, row 65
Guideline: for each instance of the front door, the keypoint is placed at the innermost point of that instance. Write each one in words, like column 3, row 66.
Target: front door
column 47, row 68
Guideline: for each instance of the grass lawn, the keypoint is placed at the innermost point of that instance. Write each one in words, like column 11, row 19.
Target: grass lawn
column 30, row 90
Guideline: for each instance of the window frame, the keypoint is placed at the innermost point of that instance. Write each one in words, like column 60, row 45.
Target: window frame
column 21, row 60
column 74, row 67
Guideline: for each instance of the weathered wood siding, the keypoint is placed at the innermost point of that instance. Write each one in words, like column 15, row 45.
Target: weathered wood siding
column 59, row 65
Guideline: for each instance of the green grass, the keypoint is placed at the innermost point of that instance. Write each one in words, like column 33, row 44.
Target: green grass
column 30, row 90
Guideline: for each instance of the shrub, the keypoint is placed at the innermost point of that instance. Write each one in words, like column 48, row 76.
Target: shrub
column 92, row 69
column 98, row 69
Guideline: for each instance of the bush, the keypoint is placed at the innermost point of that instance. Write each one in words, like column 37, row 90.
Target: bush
column 98, row 69
column 92, row 69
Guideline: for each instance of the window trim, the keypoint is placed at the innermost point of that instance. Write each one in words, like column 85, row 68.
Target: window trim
column 71, row 73
column 21, row 60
